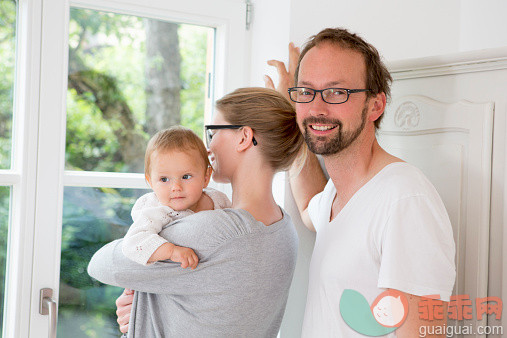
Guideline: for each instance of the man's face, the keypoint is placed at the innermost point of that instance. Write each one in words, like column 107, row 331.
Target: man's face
column 330, row 128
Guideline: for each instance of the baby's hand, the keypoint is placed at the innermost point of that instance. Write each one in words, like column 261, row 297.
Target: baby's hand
column 185, row 256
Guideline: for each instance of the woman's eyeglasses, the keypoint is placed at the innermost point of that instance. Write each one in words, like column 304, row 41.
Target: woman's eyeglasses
column 210, row 127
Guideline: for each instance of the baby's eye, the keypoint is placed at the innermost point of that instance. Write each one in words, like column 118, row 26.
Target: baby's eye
column 187, row 176
column 164, row 179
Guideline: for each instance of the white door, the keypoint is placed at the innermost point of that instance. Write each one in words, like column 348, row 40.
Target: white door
column 92, row 79
column 452, row 144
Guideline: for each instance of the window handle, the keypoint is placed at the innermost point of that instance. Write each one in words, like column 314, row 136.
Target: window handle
column 47, row 306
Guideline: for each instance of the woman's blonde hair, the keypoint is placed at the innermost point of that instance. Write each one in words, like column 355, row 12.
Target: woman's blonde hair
column 273, row 120
column 175, row 138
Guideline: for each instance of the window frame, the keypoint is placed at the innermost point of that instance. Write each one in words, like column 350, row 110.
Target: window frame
column 37, row 176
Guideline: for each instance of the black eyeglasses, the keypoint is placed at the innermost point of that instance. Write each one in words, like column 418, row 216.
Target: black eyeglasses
column 210, row 127
column 329, row 95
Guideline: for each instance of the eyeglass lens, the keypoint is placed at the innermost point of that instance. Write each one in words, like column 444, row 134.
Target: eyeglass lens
column 330, row 95
column 209, row 136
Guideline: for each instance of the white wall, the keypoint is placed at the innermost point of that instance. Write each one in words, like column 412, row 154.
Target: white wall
column 269, row 34
column 408, row 29
column 483, row 24
column 399, row 29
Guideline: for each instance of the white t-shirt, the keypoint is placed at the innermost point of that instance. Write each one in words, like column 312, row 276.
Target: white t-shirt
column 393, row 233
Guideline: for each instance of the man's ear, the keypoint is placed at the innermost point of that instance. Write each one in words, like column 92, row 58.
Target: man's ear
column 207, row 176
column 246, row 135
column 377, row 105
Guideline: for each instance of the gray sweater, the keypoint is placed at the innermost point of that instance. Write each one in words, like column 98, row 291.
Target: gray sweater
column 239, row 288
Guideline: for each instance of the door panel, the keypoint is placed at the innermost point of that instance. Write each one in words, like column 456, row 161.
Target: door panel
column 452, row 144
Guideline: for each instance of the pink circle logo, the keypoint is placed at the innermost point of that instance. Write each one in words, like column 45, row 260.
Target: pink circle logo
column 390, row 308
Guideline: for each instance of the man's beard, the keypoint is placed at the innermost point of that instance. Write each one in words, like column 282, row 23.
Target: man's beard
column 321, row 146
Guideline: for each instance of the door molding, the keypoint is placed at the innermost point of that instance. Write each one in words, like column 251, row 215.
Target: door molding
column 457, row 63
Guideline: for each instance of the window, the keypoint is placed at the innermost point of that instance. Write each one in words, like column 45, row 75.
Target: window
column 7, row 67
column 79, row 99
column 7, row 74
column 128, row 78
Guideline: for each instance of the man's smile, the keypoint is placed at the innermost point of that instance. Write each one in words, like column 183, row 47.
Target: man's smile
column 322, row 127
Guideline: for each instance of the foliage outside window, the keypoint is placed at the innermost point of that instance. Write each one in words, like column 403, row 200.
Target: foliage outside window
column 7, row 65
column 128, row 78
column 7, row 70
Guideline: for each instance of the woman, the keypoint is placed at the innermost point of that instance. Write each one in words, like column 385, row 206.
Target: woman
column 247, row 253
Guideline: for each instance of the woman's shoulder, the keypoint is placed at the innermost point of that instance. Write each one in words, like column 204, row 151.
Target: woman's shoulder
column 230, row 223
column 229, row 229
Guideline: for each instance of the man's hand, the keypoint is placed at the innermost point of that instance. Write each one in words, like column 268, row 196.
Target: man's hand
column 123, row 308
column 185, row 256
column 285, row 77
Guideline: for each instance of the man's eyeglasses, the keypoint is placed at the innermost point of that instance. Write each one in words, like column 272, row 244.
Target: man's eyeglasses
column 329, row 95
column 210, row 127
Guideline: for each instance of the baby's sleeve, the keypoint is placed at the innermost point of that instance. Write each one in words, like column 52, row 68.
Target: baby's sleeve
column 142, row 238
column 220, row 200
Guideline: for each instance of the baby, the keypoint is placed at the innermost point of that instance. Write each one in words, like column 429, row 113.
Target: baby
column 178, row 170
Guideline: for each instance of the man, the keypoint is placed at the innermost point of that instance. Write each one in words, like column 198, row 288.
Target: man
column 380, row 224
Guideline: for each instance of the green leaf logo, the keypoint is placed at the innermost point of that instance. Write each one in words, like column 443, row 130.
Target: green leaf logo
column 386, row 314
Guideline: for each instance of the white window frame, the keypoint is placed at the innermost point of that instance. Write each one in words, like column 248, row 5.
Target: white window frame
column 38, row 176
column 22, row 174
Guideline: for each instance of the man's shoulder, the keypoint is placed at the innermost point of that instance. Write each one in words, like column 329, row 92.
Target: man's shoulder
column 403, row 177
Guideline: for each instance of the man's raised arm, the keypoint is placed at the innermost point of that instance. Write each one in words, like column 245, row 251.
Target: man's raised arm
column 310, row 180
column 306, row 183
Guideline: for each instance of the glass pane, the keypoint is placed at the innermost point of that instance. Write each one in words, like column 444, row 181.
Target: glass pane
column 128, row 78
column 92, row 217
column 5, row 197
column 7, row 66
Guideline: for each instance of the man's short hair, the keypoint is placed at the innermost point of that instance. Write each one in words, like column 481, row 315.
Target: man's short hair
column 378, row 79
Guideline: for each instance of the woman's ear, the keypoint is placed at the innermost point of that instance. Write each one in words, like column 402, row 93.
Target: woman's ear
column 246, row 139
column 207, row 176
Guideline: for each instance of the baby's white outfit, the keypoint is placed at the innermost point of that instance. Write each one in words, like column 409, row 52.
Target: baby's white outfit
column 150, row 216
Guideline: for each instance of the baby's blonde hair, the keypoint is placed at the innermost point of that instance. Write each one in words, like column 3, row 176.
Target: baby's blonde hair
column 175, row 138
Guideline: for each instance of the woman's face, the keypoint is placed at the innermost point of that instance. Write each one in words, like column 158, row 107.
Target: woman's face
column 221, row 151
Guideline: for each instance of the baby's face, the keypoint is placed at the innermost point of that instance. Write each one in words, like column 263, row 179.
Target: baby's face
column 177, row 178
